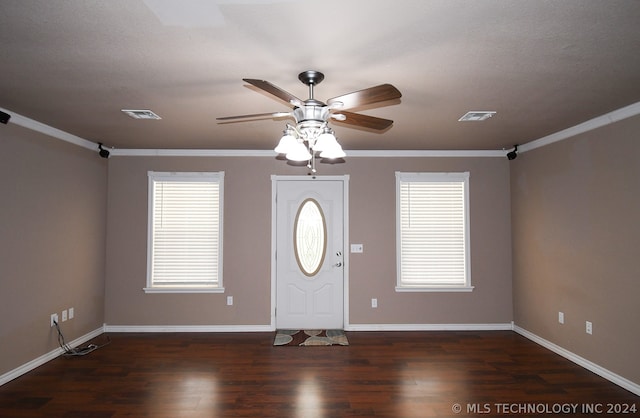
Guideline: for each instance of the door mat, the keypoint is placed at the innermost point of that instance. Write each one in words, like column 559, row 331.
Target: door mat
column 294, row 337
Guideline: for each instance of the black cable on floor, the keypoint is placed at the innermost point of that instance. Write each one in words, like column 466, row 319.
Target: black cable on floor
column 78, row 351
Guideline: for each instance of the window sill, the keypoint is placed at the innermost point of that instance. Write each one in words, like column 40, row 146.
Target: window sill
column 434, row 288
column 183, row 289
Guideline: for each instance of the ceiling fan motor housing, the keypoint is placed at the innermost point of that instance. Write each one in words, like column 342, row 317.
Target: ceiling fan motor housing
column 311, row 112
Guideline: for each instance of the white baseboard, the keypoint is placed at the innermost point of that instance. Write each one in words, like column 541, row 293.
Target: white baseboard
column 25, row 368
column 188, row 328
column 429, row 327
column 599, row 370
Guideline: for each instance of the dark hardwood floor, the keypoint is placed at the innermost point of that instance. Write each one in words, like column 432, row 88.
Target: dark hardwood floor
column 391, row 374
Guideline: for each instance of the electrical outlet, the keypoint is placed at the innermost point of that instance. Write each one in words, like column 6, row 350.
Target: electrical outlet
column 229, row 300
column 71, row 313
column 357, row 248
column 561, row 317
column 374, row 303
column 54, row 318
column 64, row 315
column 589, row 327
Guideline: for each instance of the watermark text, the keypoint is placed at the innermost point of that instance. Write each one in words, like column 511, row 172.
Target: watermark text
column 542, row 408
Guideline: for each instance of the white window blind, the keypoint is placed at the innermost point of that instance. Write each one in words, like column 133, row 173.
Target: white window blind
column 432, row 231
column 185, row 230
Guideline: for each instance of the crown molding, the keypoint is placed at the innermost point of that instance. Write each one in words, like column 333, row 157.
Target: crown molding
column 131, row 152
column 269, row 153
column 590, row 125
column 34, row 125
column 595, row 123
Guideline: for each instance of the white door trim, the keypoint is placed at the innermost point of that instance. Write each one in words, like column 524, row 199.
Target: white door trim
column 274, row 182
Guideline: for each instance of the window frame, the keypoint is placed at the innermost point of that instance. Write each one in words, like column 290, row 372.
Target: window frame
column 435, row 177
column 160, row 176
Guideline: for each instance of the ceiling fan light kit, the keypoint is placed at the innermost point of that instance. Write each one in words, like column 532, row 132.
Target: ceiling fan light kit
column 299, row 152
column 311, row 136
column 287, row 142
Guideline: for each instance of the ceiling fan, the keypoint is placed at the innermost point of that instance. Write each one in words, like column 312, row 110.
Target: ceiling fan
column 311, row 133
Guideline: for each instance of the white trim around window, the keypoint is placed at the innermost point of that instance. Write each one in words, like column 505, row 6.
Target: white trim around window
column 432, row 232
column 185, row 230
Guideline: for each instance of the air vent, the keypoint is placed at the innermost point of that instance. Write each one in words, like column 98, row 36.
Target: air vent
column 141, row 114
column 476, row 116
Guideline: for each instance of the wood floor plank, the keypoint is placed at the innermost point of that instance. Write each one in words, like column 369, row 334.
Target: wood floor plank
column 390, row 374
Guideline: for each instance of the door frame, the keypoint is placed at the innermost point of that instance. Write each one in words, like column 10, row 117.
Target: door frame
column 345, row 234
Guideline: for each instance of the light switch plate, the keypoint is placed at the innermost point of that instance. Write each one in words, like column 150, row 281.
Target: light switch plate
column 357, row 248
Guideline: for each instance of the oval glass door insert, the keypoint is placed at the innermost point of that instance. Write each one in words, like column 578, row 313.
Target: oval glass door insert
column 310, row 237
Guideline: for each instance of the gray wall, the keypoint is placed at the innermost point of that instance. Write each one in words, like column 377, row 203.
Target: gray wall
column 52, row 242
column 567, row 211
column 247, row 244
column 576, row 244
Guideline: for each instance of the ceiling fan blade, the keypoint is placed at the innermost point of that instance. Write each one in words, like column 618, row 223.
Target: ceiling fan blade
column 255, row 116
column 376, row 94
column 365, row 121
column 274, row 90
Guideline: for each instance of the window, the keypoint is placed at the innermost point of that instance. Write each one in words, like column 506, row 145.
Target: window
column 310, row 237
column 185, row 232
column 433, row 231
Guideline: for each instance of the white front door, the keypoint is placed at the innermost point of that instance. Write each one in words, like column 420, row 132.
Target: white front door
column 309, row 254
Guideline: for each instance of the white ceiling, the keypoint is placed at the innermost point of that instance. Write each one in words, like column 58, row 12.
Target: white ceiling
column 543, row 66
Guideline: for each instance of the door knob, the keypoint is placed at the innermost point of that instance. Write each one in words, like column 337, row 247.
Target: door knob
column 338, row 264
